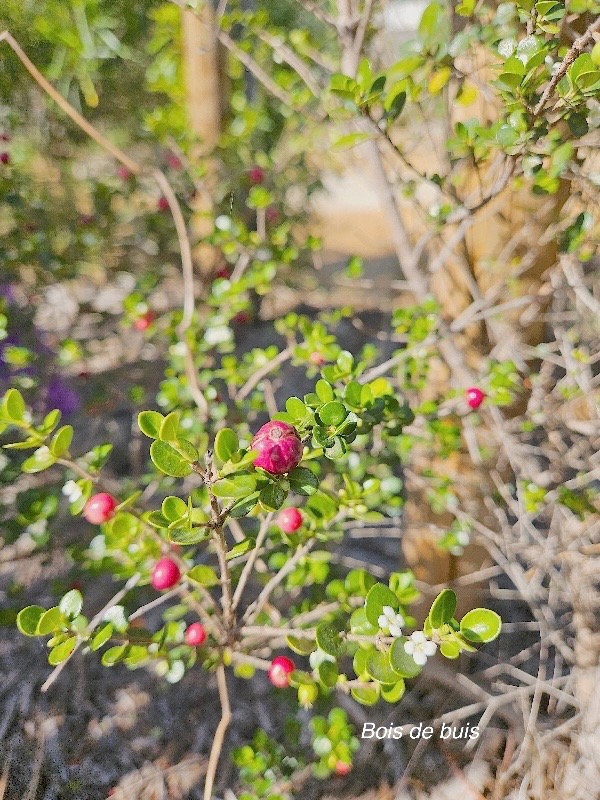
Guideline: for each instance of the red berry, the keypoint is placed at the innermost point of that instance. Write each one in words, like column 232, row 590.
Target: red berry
column 4, row 137
column 289, row 520
column 143, row 323
column 475, row 397
column 223, row 272
column 86, row 219
column 173, row 161
column 163, row 204
column 279, row 447
column 5, row 158
column 280, row 671
column 195, row 634
column 123, row 173
column 100, row 508
column 242, row 318
column 271, row 214
column 342, row 769
column 317, row 359
column 165, row 574
column 256, row 175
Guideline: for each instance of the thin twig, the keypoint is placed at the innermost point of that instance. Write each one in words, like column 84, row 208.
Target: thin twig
column 217, row 744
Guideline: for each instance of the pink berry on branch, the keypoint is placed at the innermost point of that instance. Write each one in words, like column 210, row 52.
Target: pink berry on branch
column 280, row 670
column 342, row 769
column 279, row 447
column 195, row 634
column 163, row 204
column 475, row 397
column 173, row 161
column 5, row 158
column 256, row 175
column 165, row 574
column 100, row 508
column 317, row 359
column 289, row 519
column 143, row 323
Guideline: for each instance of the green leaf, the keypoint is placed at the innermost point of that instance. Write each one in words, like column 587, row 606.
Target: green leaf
column 439, row 79
column 156, row 519
column 186, row 538
column 328, row 673
column 379, row 668
column 13, row 405
column 443, row 608
column 378, row 597
column 114, row 654
column 174, row 508
column 324, row 391
column 303, row 481
column 39, row 461
column 244, row 506
column 51, row 621
column 366, row 695
column 28, row 619
column 351, row 140
column 62, row 651
column 303, row 647
column 226, row 444
column 170, row 427
column 149, row 423
column 295, row 408
column 391, row 694
column 102, row 636
column 71, row 604
column 403, row 663
column 241, row 548
column 169, row 461
column 204, row 575
column 333, row 413
column 272, row 497
column 61, row 441
column 240, row 485
column 481, row 625
column 450, row 649
column 329, row 639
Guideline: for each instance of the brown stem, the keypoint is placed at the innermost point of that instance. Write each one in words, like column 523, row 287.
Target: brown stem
column 217, row 745
column 578, row 47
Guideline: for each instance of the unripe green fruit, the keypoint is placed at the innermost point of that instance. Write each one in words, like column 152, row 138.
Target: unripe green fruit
column 596, row 54
column 307, row 694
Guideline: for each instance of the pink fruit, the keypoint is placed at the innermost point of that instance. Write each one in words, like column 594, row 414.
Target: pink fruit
column 123, row 173
column 195, row 634
column 279, row 447
column 342, row 769
column 289, row 520
column 256, row 175
column 475, row 397
column 241, row 318
column 100, row 508
column 5, row 158
column 317, row 359
column 165, row 574
column 163, row 204
column 143, row 323
column 271, row 214
column 173, row 161
column 280, row 671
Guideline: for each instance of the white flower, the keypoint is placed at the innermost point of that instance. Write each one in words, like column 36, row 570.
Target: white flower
column 390, row 622
column 318, row 657
column 72, row 491
column 3, row 461
column 420, row 647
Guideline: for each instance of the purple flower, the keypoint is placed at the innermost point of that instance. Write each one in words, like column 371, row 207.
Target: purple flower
column 59, row 394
